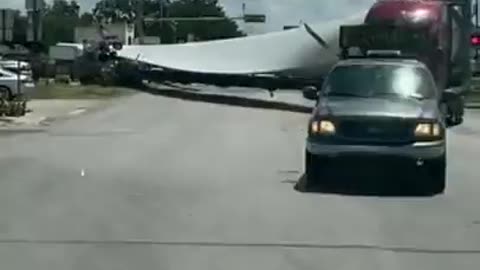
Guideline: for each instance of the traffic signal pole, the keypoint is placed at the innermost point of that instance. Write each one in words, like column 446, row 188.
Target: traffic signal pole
column 139, row 21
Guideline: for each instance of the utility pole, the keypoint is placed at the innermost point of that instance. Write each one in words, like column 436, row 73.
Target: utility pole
column 34, row 11
column 139, row 21
column 161, row 14
column 35, row 21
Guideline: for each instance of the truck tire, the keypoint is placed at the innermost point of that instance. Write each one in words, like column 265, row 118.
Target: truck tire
column 454, row 116
column 117, row 45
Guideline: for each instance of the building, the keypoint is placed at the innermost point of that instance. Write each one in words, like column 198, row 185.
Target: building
column 288, row 27
column 125, row 33
column 148, row 40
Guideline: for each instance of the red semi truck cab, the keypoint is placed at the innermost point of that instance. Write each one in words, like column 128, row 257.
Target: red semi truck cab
column 447, row 27
column 437, row 33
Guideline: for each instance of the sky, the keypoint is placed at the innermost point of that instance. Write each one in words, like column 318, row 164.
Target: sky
column 278, row 12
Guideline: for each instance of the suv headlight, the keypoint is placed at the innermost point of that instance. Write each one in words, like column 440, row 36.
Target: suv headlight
column 428, row 130
column 323, row 127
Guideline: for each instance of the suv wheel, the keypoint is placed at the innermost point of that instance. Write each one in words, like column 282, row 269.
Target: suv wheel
column 306, row 184
column 437, row 182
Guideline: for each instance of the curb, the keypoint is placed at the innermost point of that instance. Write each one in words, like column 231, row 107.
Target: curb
column 20, row 125
column 230, row 100
column 16, row 130
column 42, row 124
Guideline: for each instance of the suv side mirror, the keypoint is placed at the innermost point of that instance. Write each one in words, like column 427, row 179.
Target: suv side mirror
column 311, row 92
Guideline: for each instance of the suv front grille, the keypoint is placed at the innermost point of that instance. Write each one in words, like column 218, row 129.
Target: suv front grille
column 377, row 130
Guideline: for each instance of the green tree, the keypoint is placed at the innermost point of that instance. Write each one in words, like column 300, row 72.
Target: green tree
column 203, row 30
column 87, row 19
column 126, row 10
column 112, row 11
column 59, row 22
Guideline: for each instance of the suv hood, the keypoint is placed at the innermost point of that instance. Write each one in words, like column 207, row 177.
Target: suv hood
column 385, row 107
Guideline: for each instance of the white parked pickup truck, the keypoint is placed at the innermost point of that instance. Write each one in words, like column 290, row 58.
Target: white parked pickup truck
column 14, row 85
column 15, row 66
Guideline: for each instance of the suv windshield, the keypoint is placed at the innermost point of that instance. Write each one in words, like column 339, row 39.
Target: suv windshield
column 380, row 81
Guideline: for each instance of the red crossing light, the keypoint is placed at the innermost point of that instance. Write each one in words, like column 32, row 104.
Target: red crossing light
column 475, row 40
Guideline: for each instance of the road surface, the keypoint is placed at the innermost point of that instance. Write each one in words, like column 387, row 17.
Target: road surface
column 158, row 183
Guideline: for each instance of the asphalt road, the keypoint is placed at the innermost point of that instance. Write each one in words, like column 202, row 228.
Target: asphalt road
column 156, row 183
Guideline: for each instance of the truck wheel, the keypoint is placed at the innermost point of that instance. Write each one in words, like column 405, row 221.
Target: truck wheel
column 455, row 111
column 453, row 118
column 314, row 178
column 117, row 46
column 459, row 120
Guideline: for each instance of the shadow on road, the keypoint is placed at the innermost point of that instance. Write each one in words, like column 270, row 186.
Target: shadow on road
column 357, row 188
column 232, row 100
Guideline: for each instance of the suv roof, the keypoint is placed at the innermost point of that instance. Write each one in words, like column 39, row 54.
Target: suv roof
column 381, row 61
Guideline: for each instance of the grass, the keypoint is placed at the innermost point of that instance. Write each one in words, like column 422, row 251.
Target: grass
column 65, row 91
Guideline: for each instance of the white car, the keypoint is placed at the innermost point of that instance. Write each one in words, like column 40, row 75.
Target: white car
column 15, row 85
